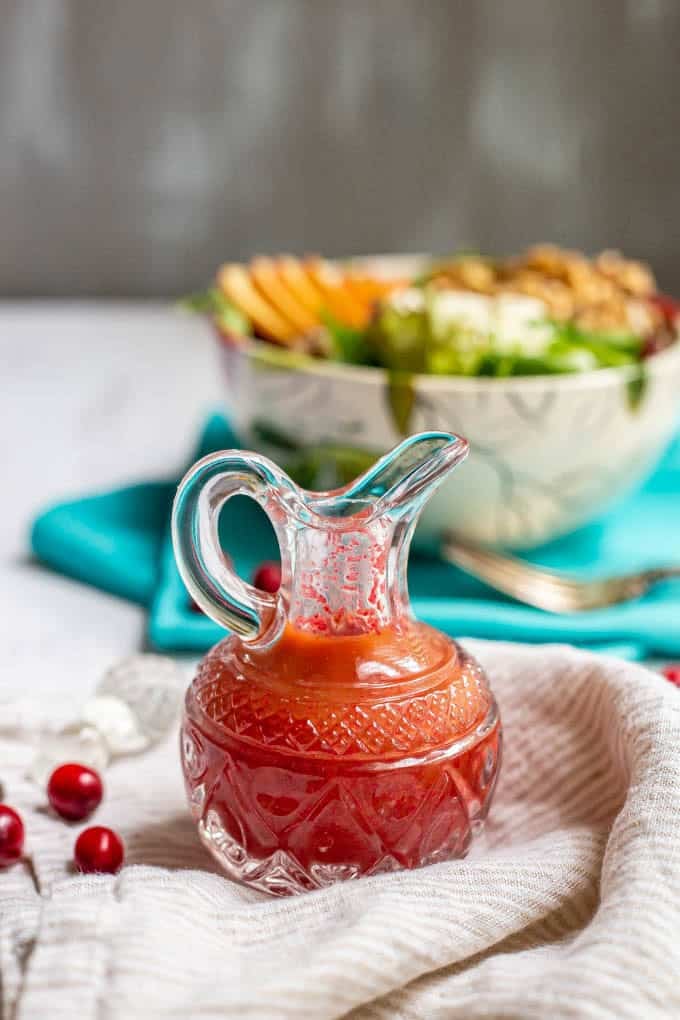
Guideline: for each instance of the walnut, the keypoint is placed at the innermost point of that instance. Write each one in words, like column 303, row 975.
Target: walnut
column 596, row 293
column 556, row 295
column 472, row 274
column 589, row 286
column 635, row 278
column 607, row 316
column 551, row 260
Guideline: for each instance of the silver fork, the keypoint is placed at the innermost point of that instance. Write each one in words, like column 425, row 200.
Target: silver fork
column 549, row 589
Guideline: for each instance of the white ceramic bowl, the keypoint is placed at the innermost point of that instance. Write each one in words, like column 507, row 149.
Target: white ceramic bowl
column 547, row 453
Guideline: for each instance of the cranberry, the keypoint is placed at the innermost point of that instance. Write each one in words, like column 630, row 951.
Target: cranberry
column 672, row 674
column 11, row 836
column 668, row 306
column 74, row 791
column 656, row 342
column 268, row 577
column 98, row 850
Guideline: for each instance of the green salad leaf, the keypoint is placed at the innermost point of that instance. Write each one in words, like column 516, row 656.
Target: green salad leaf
column 214, row 303
column 609, row 349
column 399, row 339
column 350, row 345
column 636, row 388
column 401, row 399
column 432, row 337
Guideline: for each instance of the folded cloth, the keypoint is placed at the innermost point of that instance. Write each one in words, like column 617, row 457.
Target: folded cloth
column 120, row 542
column 568, row 906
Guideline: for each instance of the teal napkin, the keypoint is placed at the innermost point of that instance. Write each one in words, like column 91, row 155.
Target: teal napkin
column 119, row 542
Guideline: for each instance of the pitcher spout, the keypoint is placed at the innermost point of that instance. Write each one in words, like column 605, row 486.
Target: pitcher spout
column 402, row 481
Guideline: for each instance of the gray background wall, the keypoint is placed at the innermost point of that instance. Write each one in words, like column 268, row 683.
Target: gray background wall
column 144, row 141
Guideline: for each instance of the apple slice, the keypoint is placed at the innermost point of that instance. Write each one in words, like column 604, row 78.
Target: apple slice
column 265, row 276
column 293, row 275
column 234, row 280
column 338, row 297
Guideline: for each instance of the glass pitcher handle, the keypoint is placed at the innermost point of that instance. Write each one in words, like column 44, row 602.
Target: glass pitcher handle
column 252, row 614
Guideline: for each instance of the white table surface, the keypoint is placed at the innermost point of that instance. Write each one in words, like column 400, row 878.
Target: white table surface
column 94, row 394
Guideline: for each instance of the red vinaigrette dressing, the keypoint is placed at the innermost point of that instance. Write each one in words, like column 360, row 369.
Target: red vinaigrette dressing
column 337, row 737
column 314, row 749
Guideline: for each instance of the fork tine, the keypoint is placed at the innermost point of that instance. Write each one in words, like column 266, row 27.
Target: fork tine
column 549, row 589
column 523, row 581
column 509, row 568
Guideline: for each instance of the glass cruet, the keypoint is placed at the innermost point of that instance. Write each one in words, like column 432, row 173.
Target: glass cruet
column 331, row 735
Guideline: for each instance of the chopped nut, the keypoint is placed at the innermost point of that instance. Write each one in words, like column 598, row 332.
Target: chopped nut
column 605, row 316
column 589, row 286
column 556, row 295
column 548, row 259
column 596, row 293
column 468, row 273
column 477, row 275
column 633, row 277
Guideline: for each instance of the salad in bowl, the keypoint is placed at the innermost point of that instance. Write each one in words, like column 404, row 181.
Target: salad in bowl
column 562, row 370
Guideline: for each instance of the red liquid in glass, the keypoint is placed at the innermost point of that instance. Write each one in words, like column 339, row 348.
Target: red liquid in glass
column 331, row 757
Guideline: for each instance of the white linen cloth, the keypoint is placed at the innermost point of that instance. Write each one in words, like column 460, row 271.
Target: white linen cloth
column 568, row 906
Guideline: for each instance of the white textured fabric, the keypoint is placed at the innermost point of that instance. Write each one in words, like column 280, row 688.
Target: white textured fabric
column 569, row 906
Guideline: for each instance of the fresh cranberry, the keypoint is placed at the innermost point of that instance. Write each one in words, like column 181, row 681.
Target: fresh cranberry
column 98, row 850
column 268, row 577
column 672, row 674
column 11, row 836
column 656, row 342
column 74, row 791
column 667, row 305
